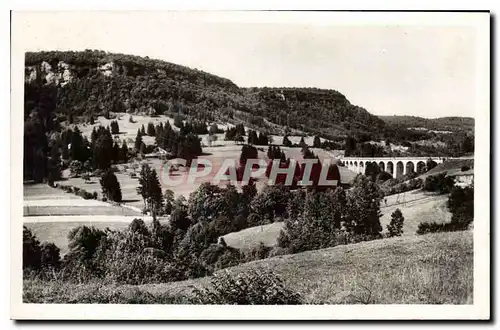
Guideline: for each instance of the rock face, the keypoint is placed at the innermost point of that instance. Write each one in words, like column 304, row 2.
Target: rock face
column 107, row 69
column 60, row 75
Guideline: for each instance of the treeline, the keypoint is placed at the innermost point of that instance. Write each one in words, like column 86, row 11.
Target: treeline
column 183, row 144
column 453, row 124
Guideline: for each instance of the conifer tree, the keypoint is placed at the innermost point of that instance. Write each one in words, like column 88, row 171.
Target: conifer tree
column 150, row 189
column 395, row 228
column 138, row 141
column 316, row 142
column 151, row 129
column 111, row 187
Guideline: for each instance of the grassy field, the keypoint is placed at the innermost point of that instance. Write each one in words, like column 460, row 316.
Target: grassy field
column 42, row 200
column 419, row 207
column 251, row 237
column 451, row 165
column 428, row 269
column 57, row 231
column 51, row 213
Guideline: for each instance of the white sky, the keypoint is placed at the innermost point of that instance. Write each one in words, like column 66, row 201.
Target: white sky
column 424, row 70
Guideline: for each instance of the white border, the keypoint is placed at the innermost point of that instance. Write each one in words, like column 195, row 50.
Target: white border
column 480, row 308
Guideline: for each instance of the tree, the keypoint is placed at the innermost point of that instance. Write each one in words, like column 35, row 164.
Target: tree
column 252, row 137
column 111, row 187
column 76, row 149
column 263, row 140
column 123, row 153
column 316, row 142
column 395, row 228
column 363, row 208
column 247, row 152
column 31, row 250
column 430, row 164
column 115, row 129
column 372, row 170
column 150, row 189
column 178, row 121
column 286, row 142
column 103, row 151
column 138, row 141
column 50, row 255
column 302, row 143
column 169, row 200
column 143, row 130
column 151, row 129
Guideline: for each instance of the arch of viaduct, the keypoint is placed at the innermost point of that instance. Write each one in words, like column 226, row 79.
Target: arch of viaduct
column 396, row 166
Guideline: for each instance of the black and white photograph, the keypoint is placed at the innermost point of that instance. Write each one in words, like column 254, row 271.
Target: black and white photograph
column 250, row 165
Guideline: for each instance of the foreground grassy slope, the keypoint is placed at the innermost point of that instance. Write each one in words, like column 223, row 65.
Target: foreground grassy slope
column 429, row 269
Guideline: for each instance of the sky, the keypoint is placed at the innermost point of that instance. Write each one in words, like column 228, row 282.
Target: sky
column 391, row 68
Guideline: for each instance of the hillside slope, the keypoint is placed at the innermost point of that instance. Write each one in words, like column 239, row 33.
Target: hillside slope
column 428, row 269
column 90, row 83
column 434, row 268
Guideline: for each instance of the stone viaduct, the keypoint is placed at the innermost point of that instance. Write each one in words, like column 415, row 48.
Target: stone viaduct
column 396, row 166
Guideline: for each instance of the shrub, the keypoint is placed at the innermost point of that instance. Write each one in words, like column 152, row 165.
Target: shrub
column 124, row 259
column 50, row 256
column 218, row 256
column 255, row 287
column 395, row 228
column 31, row 250
column 258, row 253
column 433, row 227
column 139, row 227
column 83, row 243
column 438, row 183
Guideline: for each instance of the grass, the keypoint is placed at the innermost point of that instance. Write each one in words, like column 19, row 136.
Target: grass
column 42, row 200
column 58, row 292
column 448, row 166
column 417, row 206
column 251, row 237
column 428, row 269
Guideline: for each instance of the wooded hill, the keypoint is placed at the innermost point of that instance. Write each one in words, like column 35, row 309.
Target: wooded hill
column 451, row 124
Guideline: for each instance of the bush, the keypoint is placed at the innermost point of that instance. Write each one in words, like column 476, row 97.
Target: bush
column 258, row 253
column 433, row 227
column 255, row 287
column 50, row 256
column 395, row 228
column 439, row 183
column 31, row 250
column 218, row 256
